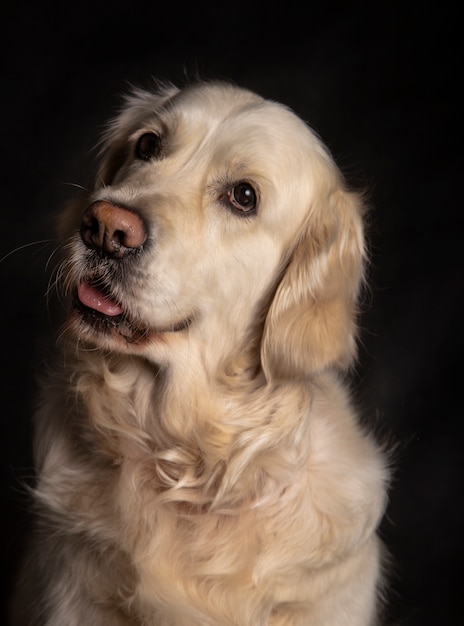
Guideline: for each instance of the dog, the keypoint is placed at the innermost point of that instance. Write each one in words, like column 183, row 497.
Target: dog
column 199, row 458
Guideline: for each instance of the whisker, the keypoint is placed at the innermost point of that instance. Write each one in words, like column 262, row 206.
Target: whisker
column 50, row 257
column 62, row 274
column 54, row 284
column 81, row 187
column 42, row 242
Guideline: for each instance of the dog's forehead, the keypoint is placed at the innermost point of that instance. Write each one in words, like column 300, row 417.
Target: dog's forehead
column 226, row 108
column 216, row 100
column 237, row 119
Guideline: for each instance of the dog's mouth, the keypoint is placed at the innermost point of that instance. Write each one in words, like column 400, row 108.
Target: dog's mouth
column 96, row 311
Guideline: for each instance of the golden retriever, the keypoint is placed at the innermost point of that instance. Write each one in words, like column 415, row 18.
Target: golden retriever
column 199, row 461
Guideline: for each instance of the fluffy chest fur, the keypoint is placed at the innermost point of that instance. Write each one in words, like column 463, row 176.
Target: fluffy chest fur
column 215, row 507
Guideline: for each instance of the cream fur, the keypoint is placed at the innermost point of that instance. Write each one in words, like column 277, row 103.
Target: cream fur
column 214, row 475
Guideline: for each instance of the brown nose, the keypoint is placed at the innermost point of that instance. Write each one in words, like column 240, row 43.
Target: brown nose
column 112, row 230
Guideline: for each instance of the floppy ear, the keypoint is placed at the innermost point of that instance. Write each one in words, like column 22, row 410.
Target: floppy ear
column 310, row 324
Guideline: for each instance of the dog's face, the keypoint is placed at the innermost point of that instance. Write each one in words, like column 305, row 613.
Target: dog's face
column 216, row 215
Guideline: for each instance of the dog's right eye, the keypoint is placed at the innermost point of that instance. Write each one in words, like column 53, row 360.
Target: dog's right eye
column 242, row 198
column 148, row 146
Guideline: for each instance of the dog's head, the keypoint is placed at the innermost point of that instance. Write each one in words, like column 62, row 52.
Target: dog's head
column 218, row 218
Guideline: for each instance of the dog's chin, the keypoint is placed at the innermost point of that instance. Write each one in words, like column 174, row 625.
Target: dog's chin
column 116, row 331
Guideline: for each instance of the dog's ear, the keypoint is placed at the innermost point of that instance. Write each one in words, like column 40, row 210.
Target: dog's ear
column 311, row 322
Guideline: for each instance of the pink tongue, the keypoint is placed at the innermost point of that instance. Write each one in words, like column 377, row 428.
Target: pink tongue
column 93, row 298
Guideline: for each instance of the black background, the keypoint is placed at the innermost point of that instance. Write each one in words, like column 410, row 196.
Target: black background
column 381, row 86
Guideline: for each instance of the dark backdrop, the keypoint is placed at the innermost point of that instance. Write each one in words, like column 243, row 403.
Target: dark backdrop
column 380, row 85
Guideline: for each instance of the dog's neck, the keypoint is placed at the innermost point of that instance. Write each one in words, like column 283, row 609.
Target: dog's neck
column 194, row 432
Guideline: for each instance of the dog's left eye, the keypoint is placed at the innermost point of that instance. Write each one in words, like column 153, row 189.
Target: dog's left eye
column 243, row 197
column 148, row 146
